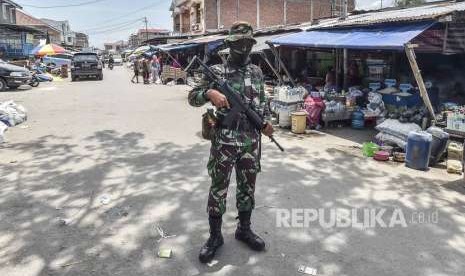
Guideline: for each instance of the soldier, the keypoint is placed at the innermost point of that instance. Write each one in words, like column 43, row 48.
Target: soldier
column 234, row 146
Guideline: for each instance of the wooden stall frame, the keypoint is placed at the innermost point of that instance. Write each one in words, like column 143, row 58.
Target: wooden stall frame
column 281, row 63
column 410, row 51
column 263, row 56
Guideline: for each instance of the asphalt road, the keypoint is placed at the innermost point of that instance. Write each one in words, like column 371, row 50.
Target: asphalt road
column 114, row 160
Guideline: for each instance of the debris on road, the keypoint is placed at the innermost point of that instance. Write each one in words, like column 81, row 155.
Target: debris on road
column 212, row 263
column 3, row 128
column 307, row 270
column 12, row 114
column 265, row 206
column 24, row 126
column 164, row 253
column 118, row 211
column 163, row 234
column 63, row 221
column 71, row 264
column 105, row 199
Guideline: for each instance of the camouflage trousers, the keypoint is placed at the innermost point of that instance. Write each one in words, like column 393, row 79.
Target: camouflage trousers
column 223, row 158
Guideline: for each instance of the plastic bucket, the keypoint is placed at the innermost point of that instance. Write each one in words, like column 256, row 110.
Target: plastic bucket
column 299, row 122
column 358, row 120
column 284, row 118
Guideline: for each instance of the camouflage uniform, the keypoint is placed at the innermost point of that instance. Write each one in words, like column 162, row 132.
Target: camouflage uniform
column 234, row 146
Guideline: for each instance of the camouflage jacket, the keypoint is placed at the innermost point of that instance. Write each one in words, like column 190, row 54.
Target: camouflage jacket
column 248, row 82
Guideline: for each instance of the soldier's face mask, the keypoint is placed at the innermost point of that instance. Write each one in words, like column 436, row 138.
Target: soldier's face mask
column 240, row 50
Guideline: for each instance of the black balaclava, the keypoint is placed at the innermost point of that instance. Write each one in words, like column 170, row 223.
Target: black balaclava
column 240, row 51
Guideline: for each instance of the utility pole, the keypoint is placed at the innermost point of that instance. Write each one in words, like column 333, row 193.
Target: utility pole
column 311, row 12
column 345, row 52
column 146, row 29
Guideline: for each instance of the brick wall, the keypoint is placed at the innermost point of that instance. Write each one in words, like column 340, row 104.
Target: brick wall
column 321, row 9
column 248, row 11
column 210, row 15
column 298, row 11
column 228, row 13
column 271, row 13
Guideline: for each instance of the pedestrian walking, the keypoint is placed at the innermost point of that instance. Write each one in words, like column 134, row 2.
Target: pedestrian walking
column 136, row 70
column 155, row 70
column 235, row 145
column 146, row 70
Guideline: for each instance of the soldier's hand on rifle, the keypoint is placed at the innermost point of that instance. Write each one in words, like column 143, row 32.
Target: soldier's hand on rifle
column 268, row 129
column 217, row 98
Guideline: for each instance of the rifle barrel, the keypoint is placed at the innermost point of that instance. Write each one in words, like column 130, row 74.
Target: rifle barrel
column 256, row 120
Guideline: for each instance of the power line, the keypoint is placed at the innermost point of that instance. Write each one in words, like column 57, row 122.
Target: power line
column 64, row 6
column 114, row 31
column 112, row 25
column 123, row 27
column 133, row 12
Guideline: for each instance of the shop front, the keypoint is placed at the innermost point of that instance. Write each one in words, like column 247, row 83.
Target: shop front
column 369, row 76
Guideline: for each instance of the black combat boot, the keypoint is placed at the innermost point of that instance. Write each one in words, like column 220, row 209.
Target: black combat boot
column 246, row 235
column 208, row 250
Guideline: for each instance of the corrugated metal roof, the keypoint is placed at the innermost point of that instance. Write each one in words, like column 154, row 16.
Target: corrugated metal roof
column 261, row 43
column 425, row 12
column 205, row 39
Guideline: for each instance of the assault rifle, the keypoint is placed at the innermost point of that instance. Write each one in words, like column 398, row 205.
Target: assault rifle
column 237, row 105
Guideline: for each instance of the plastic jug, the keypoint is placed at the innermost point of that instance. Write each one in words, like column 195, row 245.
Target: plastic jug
column 418, row 150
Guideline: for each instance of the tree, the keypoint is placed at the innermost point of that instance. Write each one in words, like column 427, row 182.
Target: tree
column 409, row 3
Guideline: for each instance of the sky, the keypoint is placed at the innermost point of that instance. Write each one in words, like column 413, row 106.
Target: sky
column 113, row 20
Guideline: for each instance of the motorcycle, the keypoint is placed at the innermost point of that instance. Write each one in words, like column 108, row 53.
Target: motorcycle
column 110, row 66
column 37, row 77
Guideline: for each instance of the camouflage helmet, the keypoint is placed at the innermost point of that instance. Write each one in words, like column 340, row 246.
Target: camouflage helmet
column 240, row 30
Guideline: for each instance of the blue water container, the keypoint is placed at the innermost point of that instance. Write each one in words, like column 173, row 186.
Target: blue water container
column 358, row 119
column 418, row 150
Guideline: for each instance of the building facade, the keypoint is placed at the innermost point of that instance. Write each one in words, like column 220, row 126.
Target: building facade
column 68, row 37
column 24, row 19
column 8, row 11
column 201, row 16
column 16, row 41
column 144, row 35
column 82, row 40
column 117, row 46
column 133, row 41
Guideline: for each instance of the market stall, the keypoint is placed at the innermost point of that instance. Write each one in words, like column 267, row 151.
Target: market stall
column 339, row 102
column 381, row 97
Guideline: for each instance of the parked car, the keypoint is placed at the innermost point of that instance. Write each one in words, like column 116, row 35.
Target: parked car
column 57, row 60
column 118, row 61
column 86, row 65
column 13, row 76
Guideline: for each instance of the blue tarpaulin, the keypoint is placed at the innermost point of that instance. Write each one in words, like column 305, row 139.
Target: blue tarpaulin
column 391, row 37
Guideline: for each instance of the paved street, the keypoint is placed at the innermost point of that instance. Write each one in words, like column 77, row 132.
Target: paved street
column 115, row 160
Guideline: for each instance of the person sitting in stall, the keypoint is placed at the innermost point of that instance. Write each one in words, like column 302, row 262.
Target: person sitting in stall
column 175, row 64
column 353, row 75
column 330, row 80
